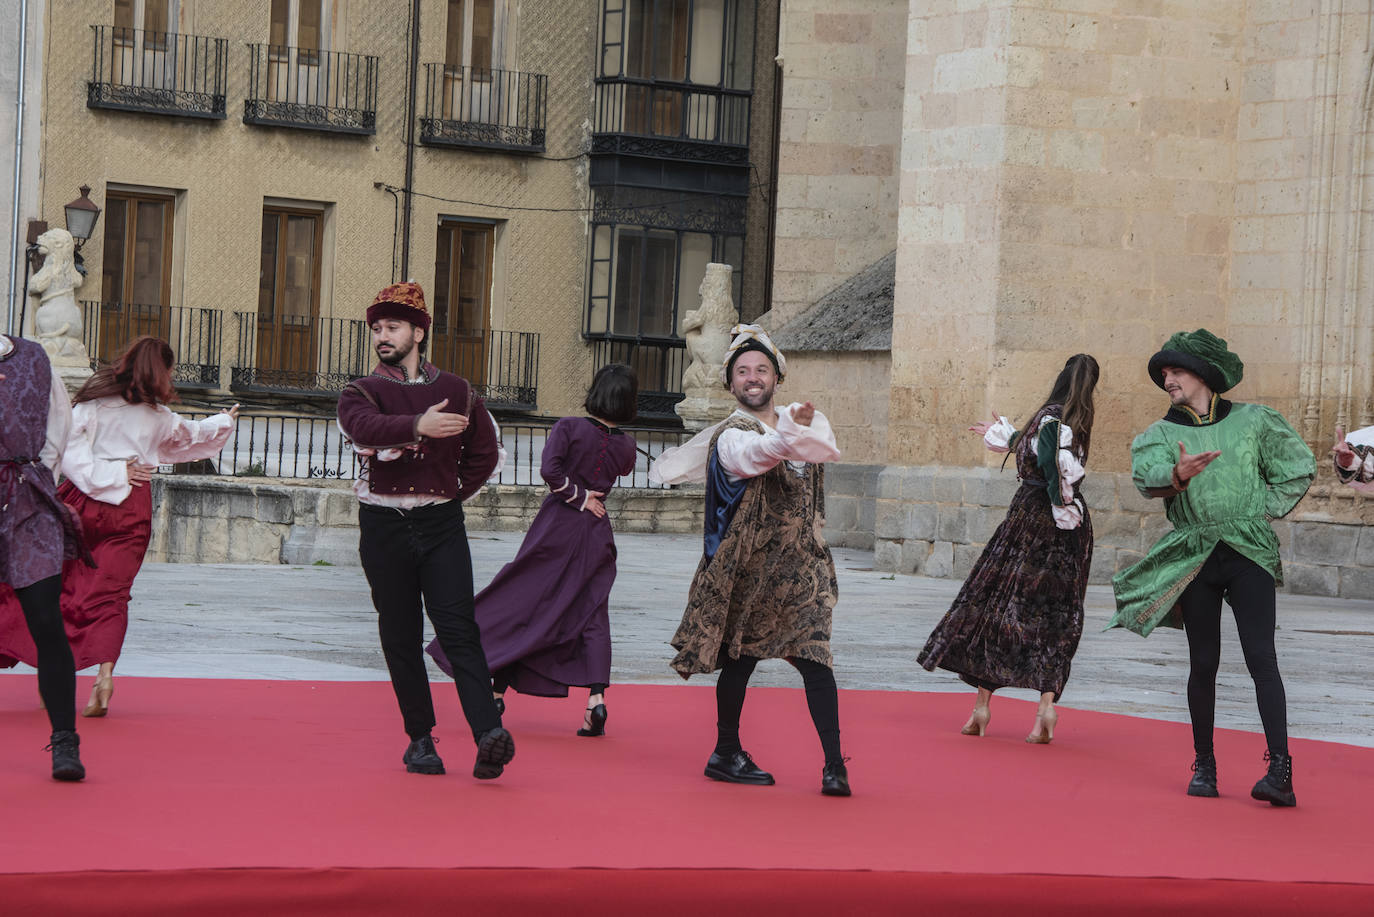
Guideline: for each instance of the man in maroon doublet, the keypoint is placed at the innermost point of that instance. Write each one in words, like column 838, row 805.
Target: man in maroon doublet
column 427, row 443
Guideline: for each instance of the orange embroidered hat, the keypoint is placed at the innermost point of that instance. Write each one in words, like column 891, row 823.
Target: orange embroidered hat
column 405, row 301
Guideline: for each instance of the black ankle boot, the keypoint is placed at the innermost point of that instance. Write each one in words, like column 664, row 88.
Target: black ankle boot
column 66, row 758
column 1204, row 782
column 1276, row 786
column 835, row 779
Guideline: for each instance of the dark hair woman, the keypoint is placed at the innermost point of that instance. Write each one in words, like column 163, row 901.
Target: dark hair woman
column 121, row 431
column 1018, row 618
column 545, row 619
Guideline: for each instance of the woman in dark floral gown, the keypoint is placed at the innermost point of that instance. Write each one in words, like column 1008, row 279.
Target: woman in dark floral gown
column 1017, row 620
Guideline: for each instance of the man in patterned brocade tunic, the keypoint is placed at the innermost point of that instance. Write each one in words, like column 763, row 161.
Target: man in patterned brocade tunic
column 765, row 587
column 1224, row 470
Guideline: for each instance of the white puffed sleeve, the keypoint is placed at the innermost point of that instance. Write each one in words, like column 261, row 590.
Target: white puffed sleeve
column 744, row 454
column 998, row 437
column 1070, row 515
column 186, row 440
column 59, row 427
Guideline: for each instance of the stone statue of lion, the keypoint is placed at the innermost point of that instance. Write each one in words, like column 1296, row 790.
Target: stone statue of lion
column 707, row 329
column 57, row 320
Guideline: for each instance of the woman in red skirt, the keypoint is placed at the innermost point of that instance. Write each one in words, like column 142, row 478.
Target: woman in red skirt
column 122, row 430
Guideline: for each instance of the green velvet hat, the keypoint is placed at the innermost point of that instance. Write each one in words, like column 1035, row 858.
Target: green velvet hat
column 1202, row 353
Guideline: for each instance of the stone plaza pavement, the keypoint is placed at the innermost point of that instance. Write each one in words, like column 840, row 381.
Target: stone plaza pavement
column 317, row 623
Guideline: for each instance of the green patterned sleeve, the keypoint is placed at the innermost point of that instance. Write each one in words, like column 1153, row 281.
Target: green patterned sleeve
column 1286, row 464
column 1047, row 458
column 1153, row 457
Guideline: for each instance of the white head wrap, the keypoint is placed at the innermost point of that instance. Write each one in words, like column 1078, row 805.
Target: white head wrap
column 743, row 334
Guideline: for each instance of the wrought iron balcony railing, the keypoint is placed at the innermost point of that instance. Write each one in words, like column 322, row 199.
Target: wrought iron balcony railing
column 319, row 356
column 312, row 90
column 484, row 109
column 502, row 365
column 298, row 354
column 196, row 336
column 162, row 73
column 658, row 362
column 672, row 120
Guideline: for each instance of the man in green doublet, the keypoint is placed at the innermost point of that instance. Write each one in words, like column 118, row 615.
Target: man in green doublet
column 1224, row 470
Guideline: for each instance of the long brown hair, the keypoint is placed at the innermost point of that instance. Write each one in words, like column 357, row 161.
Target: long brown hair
column 141, row 374
column 1073, row 389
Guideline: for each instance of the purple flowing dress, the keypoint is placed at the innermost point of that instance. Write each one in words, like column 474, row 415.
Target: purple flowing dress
column 544, row 619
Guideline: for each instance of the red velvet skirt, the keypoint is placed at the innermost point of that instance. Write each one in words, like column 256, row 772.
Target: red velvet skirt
column 95, row 600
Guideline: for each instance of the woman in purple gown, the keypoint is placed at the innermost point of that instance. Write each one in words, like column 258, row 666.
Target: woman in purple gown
column 544, row 618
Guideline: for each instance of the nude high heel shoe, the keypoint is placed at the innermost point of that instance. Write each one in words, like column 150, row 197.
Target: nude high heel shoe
column 977, row 724
column 1044, row 727
column 101, row 692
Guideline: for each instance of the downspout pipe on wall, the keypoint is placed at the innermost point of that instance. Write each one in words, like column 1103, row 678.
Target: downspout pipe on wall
column 412, row 89
column 13, row 247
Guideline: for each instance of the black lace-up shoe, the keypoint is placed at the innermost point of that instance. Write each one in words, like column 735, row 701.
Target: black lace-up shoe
column 737, row 768
column 495, row 749
column 835, row 779
column 421, row 758
column 66, row 758
column 1275, row 787
column 1204, row 782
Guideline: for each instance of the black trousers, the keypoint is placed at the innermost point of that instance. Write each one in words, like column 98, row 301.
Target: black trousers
column 56, row 668
column 822, row 699
column 1250, row 591
column 417, row 561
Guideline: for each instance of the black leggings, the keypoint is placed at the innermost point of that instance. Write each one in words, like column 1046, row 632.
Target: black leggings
column 822, row 699
column 1250, row 591
column 56, row 668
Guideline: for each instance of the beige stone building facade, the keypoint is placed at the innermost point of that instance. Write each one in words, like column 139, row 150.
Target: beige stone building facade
column 555, row 173
column 1079, row 175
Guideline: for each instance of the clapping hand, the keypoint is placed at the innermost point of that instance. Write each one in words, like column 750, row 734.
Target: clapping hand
column 436, row 423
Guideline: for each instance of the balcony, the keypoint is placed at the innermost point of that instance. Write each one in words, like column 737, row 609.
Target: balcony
column 159, row 73
column 311, row 90
column 659, row 364
column 297, row 355
column 502, row 365
column 481, row 109
column 656, row 134
column 195, row 335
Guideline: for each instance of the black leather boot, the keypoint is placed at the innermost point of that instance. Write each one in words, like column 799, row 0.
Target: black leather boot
column 421, row 757
column 835, row 779
column 495, row 749
column 1276, row 786
column 1204, row 782
column 737, row 767
column 66, row 757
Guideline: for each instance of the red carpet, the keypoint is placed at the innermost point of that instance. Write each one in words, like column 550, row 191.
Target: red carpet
column 289, row 797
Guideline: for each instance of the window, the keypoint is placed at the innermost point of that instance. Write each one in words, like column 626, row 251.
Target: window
column 301, row 33
column 463, row 265
column 474, row 47
column 144, row 51
column 289, row 289
column 136, row 271
column 643, row 279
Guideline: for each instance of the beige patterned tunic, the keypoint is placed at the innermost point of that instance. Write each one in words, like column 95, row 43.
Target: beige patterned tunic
column 770, row 588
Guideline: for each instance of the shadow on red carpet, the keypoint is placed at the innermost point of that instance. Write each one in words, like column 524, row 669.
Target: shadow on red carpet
column 226, row 797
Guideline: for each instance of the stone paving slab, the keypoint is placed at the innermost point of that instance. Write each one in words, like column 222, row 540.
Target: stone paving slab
column 317, row 623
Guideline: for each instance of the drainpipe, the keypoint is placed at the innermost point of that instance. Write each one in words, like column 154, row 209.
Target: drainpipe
column 411, row 89
column 18, row 157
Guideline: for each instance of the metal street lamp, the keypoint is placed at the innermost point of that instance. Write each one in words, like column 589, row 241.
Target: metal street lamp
column 81, row 216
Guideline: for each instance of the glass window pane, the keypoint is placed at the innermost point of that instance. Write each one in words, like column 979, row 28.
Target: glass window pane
column 739, row 46
column 124, row 14
column 629, row 257
column 149, row 239
column 708, row 27
column 600, row 280
column 638, row 49
column 112, row 259
column 277, row 36
column 443, row 260
column 308, row 27
column 670, row 40
column 483, row 28
column 734, row 256
column 453, row 36
column 660, row 276
column 473, row 282
column 155, row 16
column 267, row 266
column 696, row 254
column 298, row 269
